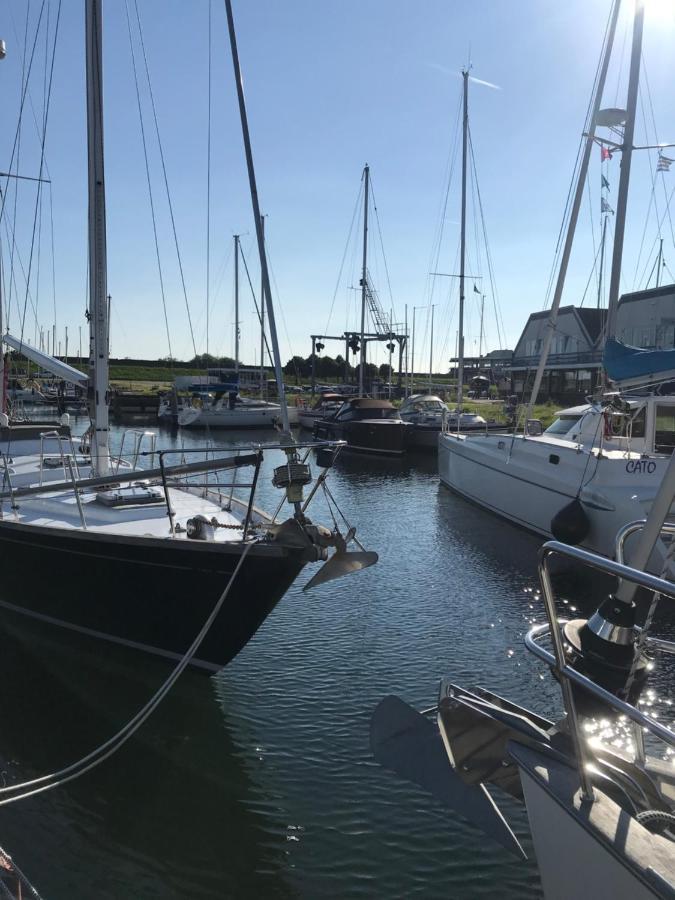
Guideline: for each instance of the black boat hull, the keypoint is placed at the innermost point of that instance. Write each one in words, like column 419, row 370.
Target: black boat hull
column 144, row 593
column 386, row 437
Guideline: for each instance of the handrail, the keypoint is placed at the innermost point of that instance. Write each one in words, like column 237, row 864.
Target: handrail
column 78, row 499
column 145, row 474
column 558, row 661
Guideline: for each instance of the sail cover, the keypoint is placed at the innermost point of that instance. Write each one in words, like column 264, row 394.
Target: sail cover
column 47, row 362
column 626, row 364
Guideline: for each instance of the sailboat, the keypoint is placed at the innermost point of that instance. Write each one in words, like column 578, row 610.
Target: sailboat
column 597, row 466
column 145, row 557
column 366, row 424
column 227, row 409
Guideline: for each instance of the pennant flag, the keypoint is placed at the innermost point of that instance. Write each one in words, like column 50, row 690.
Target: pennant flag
column 475, row 289
column 664, row 164
column 605, row 153
column 605, row 207
column 605, row 183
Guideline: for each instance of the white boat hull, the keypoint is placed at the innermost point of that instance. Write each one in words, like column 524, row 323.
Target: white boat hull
column 573, row 862
column 529, row 481
column 240, row 417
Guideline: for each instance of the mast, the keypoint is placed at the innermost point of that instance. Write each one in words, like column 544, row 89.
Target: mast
column 574, row 214
column 431, row 346
column 626, row 158
column 602, row 260
column 659, row 264
column 262, row 324
column 3, row 398
column 98, row 288
column 236, row 303
column 364, row 275
column 480, row 333
column 407, row 373
column 258, row 223
column 462, row 251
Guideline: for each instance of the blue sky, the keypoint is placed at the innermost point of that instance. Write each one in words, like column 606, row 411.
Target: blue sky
column 329, row 86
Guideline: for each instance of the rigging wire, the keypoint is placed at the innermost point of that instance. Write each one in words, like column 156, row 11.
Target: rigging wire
column 344, row 254
column 148, row 180
column 384, row 257
column 663, row 174
column 41, row 167
column 257, row 308
column 499, row 321
column 15, row 154
column 652, row 199
column 165, row 175
column 570, row 192
column 105, row 750
column 437, row 242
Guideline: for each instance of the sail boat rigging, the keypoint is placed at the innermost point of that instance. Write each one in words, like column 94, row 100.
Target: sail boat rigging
column 576, row 481
column 151, row 549
column 427, row 414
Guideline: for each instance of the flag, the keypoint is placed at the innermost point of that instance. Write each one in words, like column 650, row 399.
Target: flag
column 605, row 207
column 664, row 164
column 475, row 289
column 605, row 153
column 605, row 183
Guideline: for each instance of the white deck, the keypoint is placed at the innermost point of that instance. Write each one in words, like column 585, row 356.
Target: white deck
column 60, row 509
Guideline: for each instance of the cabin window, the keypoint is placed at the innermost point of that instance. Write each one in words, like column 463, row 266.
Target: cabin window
column 637, row 426
column 562, row 425
column 664, row 432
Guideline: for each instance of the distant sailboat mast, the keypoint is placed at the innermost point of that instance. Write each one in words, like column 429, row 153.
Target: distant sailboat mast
column 364, row 276
column 98, row 290
column 462, row 250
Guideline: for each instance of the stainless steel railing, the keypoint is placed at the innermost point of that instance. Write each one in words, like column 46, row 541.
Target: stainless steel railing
column 568, row 675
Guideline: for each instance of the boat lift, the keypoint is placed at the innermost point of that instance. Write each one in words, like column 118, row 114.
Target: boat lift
column 352, row 341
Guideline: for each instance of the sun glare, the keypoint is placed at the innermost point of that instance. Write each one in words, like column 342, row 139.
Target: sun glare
column 661, row 11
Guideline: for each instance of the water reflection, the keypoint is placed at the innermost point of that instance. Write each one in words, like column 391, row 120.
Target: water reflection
column 169, row 815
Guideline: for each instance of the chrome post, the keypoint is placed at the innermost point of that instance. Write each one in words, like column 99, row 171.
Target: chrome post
column 568, row 696
column 78, row 499
column 166, row 494
column 251, row 497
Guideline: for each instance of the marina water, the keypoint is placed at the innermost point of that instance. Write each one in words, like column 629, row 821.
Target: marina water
column 259, row 782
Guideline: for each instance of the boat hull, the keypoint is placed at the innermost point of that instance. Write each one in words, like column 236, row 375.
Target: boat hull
column 426, row 436
column 141, row 593
column 383, row 437
column 529, row 482
column 263, row 417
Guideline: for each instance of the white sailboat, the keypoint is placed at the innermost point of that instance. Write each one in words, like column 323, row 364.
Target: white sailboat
column 596, row 467
column 229, row 410
column 146, row 555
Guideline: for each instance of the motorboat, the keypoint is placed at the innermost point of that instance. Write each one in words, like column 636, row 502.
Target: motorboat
column 428, row 415
column 232, row 411
column 367, row 425
column 325, row 406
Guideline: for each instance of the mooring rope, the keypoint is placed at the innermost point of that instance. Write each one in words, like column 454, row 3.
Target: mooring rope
column 101, row 753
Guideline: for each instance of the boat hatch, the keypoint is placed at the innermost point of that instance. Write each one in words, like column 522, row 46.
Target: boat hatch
column 131, row 495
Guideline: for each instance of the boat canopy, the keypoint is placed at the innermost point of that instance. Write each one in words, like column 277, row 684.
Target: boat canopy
column 45, row 361
column 632, row 365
